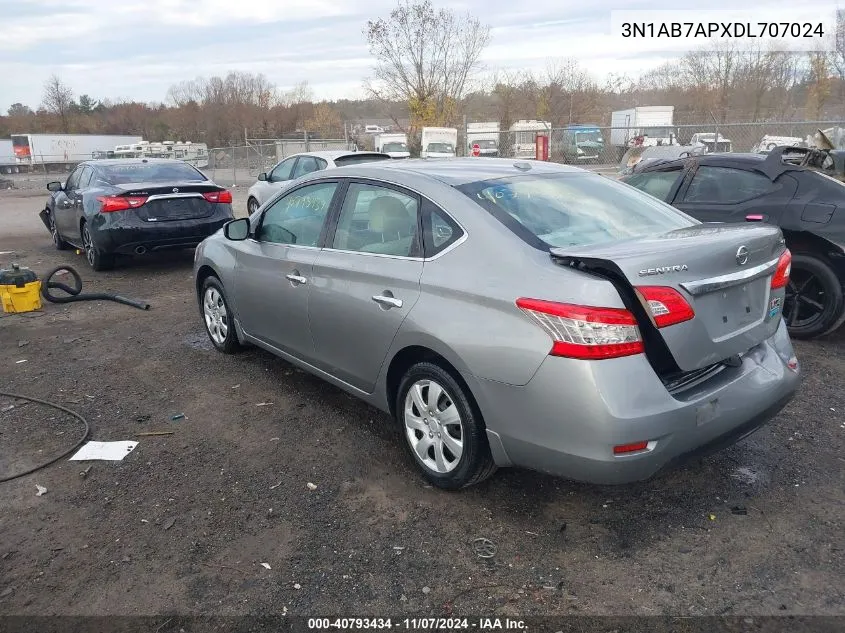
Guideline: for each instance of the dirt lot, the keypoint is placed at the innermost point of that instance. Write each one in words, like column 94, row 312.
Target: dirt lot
column 184, row 523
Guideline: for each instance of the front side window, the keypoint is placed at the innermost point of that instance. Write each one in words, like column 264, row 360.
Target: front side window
column 725, row 185
column 376, row 219
column 656, row 183
column 73, row 180
column 573, row 209
column 283, row 170
column 298, row 217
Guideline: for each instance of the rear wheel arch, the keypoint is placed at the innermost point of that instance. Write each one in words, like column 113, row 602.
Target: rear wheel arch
column 806, row 243
column 409, row 356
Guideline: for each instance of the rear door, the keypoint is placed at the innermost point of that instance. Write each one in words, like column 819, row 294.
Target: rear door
column 366, row 280
column 273, row 275
column 729, row 194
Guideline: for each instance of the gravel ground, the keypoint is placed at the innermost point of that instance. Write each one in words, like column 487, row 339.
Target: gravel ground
column 218, row 518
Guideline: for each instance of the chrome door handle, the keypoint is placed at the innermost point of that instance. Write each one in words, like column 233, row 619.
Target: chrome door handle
column 296, row 279
column 387, row 302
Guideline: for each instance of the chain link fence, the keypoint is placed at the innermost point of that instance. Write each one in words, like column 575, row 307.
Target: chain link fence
column 605, row 146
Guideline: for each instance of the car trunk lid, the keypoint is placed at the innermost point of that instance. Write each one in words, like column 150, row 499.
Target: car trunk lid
column 173, row 201
column 723, row 271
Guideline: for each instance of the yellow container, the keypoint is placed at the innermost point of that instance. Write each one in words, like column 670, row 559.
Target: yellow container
column 20, row 290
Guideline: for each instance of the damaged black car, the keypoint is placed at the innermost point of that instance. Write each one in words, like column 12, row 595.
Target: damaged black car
column 131, row 207
column 779, row 188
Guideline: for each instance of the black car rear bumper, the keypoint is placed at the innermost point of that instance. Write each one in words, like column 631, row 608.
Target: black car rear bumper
column 131, row 236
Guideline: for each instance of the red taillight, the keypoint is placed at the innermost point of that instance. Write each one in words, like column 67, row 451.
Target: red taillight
column 120, row 203
column 630, row 448
column 585, row 332
column 667, row 305
column 781, row 276
column 223, row 197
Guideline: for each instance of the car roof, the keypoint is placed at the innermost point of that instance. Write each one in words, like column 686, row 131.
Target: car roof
column 333, row 154
column 771, row 164
column 460, row 171
column 132, row 161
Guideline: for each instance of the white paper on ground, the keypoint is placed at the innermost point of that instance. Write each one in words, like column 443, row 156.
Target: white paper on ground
column 109, row 451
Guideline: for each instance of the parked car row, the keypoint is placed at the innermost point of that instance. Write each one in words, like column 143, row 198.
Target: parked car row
column 503, row 313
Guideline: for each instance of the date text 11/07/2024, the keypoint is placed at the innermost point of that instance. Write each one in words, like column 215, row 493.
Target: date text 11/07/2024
column 752, row 30
column 417, row 624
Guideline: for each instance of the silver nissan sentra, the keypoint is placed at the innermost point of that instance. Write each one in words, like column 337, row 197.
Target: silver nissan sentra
column 512, row 313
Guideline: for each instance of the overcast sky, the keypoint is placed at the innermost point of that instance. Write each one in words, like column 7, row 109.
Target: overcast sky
column 135, row 49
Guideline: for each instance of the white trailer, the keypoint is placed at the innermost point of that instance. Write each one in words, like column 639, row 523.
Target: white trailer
column 486, row 136
column 8, row 164
column 394, row 145
column 525, row 136
column 645, row 125
column 439, row 142
column 63, row 151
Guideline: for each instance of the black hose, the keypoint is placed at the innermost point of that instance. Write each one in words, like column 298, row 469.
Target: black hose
column 74, row 292
column 55, row 459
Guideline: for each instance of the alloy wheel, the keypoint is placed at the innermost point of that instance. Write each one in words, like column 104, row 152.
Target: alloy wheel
column 216, row 316
column 433, row 426
column 88, row 246
column 805, row 299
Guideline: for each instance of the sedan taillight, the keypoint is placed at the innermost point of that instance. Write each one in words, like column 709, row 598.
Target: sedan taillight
column 585, row 332
column 781, row 276
column 666, row 305
column 120, row 203
column 222, row 197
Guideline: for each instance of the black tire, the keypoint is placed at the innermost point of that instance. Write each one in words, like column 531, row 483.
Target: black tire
column 97, row 259
column 58, row 242
column 475, row 463
column 229, row 344
column 814, row 300
column 252, row 205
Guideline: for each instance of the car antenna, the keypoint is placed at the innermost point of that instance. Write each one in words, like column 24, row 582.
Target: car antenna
column 522, row 166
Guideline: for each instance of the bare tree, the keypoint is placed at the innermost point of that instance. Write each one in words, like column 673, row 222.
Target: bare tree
column 325, row 121
column 819, row 88
column 58, row 100
column 425, row 57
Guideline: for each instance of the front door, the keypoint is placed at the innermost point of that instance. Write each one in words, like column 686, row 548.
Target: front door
column 274, row 268
column 366, row 281
column 64, row 206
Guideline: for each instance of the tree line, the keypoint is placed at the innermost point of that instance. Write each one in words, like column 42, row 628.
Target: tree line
column 428, row 72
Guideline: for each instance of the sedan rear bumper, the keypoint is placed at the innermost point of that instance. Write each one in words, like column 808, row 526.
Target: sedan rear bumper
column 567, row 420
column 135, row 237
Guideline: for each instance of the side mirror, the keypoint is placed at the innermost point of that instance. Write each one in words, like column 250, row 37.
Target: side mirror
column 236, row 230
column 55, row 186
column 262, row 176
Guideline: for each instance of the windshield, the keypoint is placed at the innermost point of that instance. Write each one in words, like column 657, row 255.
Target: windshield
column 442, row 148
column 591, row 137
column 574, row 209
column 150, row 172
column 395, row 147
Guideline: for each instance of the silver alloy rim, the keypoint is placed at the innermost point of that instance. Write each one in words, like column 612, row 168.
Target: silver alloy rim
column 54, row 230
column 252, row 206
column 87, row 245
column 433, row 426
column 216, row 318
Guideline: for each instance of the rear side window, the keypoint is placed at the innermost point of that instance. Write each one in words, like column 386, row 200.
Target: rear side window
column 307, row 164
column 573, row 209
column 357, row 159
column 439, row 230
column 656, row 183
column 725, row 185
column 150, row 172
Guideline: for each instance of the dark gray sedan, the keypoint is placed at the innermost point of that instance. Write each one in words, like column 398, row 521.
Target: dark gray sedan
column 134, row 206
column 512, row 313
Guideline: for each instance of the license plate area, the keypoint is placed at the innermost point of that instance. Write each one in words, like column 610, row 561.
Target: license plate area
column 732, row 310
column 175, row 209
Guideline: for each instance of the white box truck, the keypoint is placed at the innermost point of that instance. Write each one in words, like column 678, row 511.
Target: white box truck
column 61, row 152
column 394, row 145
column 643, row 125
column 486, row 136
column 8, row 164
column 439, row 142
column 524, row 135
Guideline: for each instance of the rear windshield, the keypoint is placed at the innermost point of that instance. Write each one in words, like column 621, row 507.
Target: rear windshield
column 149, row 172
column 573, row 209
column 357, row 159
